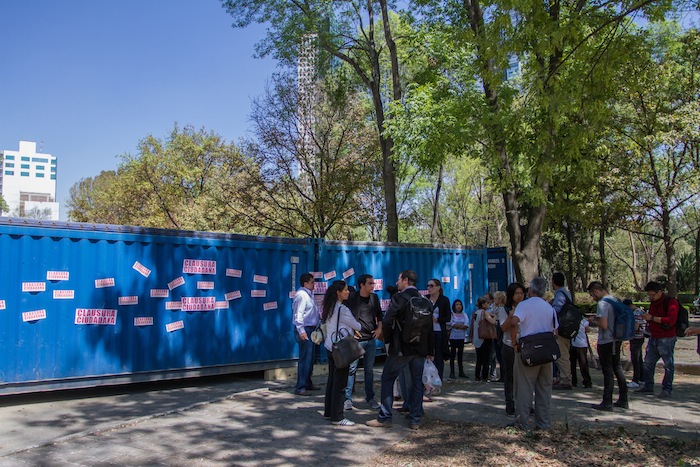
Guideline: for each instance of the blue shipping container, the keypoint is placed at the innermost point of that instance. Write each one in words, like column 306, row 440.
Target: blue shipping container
column 82, row 304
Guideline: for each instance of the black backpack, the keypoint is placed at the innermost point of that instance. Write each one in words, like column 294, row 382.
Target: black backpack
column 569, row 318
column 417, row 321
column 682, row 321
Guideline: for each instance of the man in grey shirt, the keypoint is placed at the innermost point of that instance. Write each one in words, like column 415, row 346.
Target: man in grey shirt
column 608, row 350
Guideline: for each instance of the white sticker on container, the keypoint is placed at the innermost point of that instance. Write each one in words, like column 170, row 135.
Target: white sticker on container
column 176, row 283
column 160, row 293
column 130, row 300
column 329, row 275
column 233, row 272
column 106, row 282
column 173, row 305
column 270, row 306
column 233, row 295
column 205, row 285
column 33, row 286
column 170, row 327
column 258, row 279
column 348, row 273
column 143, row 321
column 198, row 266
column 2, row 304
column 198, row 303
column 143, row 270
column 57, row 275
column 33, row 315
column 258, row 293
column 63, row 294
column 95, row 316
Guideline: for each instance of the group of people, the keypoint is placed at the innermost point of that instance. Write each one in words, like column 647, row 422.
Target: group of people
column 496, row 329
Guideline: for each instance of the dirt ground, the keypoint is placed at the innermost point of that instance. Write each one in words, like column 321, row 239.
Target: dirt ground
column 440, row 443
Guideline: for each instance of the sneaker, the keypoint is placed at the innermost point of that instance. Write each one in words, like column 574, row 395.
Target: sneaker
column 402, row 410
column 665, row 394
column 413, row 426
column 347, row 405
column 645, row 390
column 633, row 385
column 374, row 405
column 561, row 386
column 303, row 392
column 344, row 422
column 378, row 424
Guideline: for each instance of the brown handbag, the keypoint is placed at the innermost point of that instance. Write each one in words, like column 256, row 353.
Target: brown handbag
column 486, row 329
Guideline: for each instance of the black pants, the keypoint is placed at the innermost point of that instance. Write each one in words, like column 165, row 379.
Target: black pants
column 483, row 355
column 579, row 355
column 456, row 350
column 509, row 357
column 609, row 356
column 335, row 390
column 637, row 360
column 440, row 353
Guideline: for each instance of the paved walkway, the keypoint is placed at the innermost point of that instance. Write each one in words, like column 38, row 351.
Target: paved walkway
column 246, row 421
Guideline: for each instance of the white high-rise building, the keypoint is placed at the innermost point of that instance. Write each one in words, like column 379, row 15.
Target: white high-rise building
column 28, row 182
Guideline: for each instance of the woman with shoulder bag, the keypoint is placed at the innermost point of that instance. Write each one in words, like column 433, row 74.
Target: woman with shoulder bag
column 483, row 335
column 339, row 323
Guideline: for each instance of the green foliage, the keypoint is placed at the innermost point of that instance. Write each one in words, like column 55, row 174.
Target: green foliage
column 3, row 206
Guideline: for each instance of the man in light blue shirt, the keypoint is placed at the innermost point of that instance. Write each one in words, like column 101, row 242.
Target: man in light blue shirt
column 305, row 319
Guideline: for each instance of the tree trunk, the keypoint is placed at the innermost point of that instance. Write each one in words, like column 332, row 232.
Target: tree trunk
column 570, row 257
column 603, row 257
column 435, row 228
column 697, row 263
column 671, row 269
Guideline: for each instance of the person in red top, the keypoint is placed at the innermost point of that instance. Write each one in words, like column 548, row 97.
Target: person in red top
column 662, row 315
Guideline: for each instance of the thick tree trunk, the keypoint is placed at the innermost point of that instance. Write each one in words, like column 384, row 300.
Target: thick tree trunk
column 671, row 269
column 603, row 257
column 697, row 263
column 570, row 257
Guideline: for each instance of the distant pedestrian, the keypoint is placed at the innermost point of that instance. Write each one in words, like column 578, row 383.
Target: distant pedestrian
column 305, row 318
column 480, row 320
column 535, row 316
column 441, row 316
column 561, row 296
column 662, row 316
column 459, row 324
column 515, row 293
column 339, row 323
column 579, row 354
column 636, row 345
column 608, row 350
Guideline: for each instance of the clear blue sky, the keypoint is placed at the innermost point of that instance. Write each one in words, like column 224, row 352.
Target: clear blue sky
column 90, row 78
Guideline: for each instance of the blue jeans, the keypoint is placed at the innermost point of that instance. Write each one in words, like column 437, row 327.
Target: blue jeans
column 370, row 347
column 393, row 365
column 659, row 349
column 305, row 366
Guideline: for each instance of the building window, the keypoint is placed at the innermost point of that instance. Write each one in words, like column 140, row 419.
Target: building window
column 24, row 174
column 9, row 172
column 10, row 165
column 40, row 159
column 39, row 167
column 25, row 159
column 53, row 170
column 53, row 176
column 39, row 175
column 53, row 161
column 10, row 158
column 24, row 166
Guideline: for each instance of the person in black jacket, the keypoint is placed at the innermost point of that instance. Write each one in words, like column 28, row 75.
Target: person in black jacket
column 441, row 316
column 401, row 355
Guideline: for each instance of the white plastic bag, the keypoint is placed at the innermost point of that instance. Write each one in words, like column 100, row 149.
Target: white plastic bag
column 431, row 378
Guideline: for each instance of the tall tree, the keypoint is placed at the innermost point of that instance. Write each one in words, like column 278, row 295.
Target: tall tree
column 658, row 116
column 304, row 169
column 356, row 32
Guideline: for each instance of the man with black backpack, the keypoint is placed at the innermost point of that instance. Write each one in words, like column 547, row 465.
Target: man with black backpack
column 562, row 297
column 662, row 317
column 408, row 331
column 609, row 344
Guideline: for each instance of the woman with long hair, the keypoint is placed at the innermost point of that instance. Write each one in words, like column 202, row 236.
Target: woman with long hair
column 515, row 293
column 339, row 323
column 441, row 316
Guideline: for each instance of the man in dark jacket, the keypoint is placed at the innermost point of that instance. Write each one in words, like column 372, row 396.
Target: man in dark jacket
column 662, row 316
column 401, row 355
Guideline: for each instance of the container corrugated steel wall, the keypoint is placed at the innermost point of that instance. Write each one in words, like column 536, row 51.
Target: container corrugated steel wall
column 54, row 347
column 500, row 269
column 462, row 271
column 106, row 264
